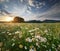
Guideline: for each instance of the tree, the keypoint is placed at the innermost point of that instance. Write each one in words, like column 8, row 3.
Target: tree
column 18, row 19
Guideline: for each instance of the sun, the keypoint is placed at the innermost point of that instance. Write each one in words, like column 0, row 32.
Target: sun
column 8, row 19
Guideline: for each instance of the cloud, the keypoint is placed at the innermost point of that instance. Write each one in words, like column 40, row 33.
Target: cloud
column 36, row 3
column 52, row 13
column 31, row 2
column 29, row 12
column 4, row 0
column 5, row 6
column 32, row 9
column 21, row 0
column 35, row 6
column 7, row 0
column 40, row 4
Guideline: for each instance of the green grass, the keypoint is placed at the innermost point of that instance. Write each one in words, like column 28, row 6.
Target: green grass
column 30, row 37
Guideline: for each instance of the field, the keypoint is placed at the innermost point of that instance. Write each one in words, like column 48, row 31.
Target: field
column 30, row 37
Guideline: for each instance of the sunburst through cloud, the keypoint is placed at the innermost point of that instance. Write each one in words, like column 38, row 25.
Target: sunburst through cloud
column 31, row 9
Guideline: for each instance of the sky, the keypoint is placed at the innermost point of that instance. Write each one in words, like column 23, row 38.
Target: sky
column 31, row 9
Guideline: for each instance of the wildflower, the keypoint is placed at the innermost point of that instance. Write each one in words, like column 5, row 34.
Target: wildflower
column 13, row 44
column 8, row 50
column 46, row 50
column 0, row 49
column 37, row 44
column 13, row 39
column 1, row 44
column 14, row 36
column 58, row 45
column 44, row 46
column 26, row 28
column 37, row 36
column 53, row 45
column 20, row 46
column 36, row 28
column 58, row 48
column 31, row 30
column 25, row 47
column 28, row 39
column 33, row 39
column 49, row 50
column 9, row 34
column 37, row 40
column 43, row 39
column 32, row 36
column 3, row 32
column 32, row 48
column 46, row 31
column 17, row 32
column 20, row 35
column 31, row 33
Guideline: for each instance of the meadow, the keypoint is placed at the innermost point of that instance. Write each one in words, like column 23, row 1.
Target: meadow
column 29, row 36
